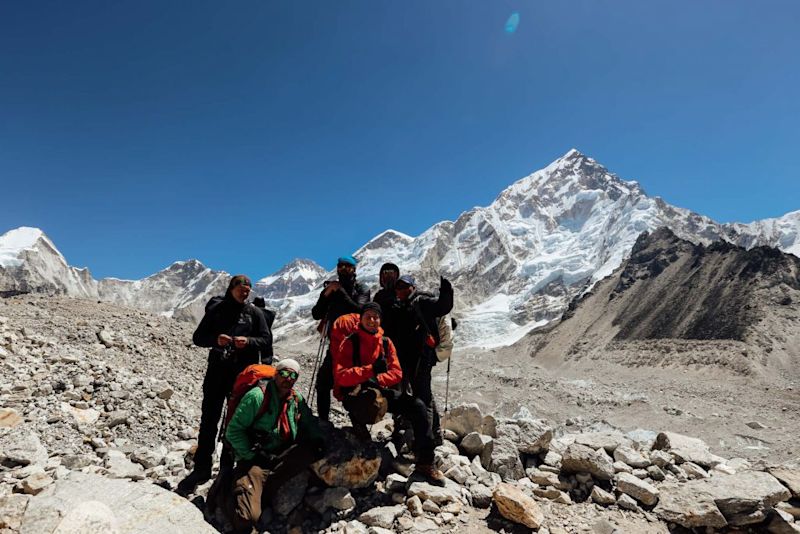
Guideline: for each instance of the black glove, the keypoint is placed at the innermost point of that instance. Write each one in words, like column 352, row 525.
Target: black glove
column 445, row 285
column 379, row 366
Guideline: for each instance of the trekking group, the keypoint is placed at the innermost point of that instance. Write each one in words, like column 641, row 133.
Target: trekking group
column 379, row 358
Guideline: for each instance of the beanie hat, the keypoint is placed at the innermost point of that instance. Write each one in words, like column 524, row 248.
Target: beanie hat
column 390, row 267
column 372, row 306
column 349, row 260
column 288, row 363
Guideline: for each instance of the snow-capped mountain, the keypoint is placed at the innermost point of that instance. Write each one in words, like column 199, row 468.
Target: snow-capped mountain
column 29, row 261
column 295, row 278
column 515, row 264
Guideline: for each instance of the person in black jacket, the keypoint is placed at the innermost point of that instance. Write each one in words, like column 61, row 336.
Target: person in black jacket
column 339, row 297
column 387, row 277
column 411, row 324
column 236, row 332
column 269, row 315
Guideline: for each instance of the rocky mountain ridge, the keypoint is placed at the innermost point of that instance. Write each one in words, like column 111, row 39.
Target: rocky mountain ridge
column 516, row 264
column 735, row 306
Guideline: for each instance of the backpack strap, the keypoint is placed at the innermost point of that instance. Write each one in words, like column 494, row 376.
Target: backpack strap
column 385, row 346
column 263, row 385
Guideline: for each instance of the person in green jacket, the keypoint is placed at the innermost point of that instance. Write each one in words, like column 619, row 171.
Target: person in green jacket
column 272, row 448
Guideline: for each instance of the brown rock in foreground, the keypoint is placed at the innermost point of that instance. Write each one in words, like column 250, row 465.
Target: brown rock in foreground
column 515, row 506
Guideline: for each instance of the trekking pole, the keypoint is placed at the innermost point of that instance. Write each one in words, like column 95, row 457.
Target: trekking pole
column 447, row 390
column 322, row 342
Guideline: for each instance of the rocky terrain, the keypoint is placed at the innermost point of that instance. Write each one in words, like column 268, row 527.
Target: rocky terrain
column 99, row 406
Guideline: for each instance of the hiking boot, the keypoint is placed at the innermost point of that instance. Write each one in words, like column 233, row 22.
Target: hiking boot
column 192, row 480
column 433, row 475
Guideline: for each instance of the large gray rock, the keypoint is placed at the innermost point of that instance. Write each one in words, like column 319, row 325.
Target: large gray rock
column 640, row 490
column 745, row 492
column 531, row 436
column 473, row 443
column 464, row 419
column 789, row 476
column 608, row 441
column 21, row 446
column 630, row 456
column 687, row 449
column 382, row 516
column 82, row 503
column 291, row 494
column 581, row 459
column 505, row 459
column 12, row 508
column 437, row 494
column 716, row 501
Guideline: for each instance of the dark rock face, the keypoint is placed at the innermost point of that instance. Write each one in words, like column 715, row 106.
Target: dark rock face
column 675, row 289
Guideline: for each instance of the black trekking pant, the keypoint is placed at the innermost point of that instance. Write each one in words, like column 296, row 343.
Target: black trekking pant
column 416, row 412
column 217, row 385
column 324, row 385
column 421, row 387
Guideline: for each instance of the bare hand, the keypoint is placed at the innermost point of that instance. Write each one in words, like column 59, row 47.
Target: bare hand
column 240, row 342
column 223, row 340
column 331, row 287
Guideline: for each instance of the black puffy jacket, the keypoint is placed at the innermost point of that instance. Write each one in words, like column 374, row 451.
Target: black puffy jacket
column 404, row 325
column 349, row 298
column 226, row 316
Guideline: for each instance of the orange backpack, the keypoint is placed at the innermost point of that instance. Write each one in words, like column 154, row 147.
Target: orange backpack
column 246, row 381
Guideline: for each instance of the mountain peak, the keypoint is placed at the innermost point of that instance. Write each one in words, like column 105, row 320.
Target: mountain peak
column 15, row 241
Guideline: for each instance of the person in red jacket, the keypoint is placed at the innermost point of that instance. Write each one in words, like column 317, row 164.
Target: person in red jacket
column 376, row 366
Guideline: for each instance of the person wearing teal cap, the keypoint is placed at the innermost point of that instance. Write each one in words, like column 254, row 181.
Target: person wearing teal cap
column 338, row 297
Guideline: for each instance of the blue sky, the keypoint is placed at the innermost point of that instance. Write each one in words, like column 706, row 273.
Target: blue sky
column 246, row 134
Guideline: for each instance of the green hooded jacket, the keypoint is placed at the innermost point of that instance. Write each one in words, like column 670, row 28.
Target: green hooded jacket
column 301, row 421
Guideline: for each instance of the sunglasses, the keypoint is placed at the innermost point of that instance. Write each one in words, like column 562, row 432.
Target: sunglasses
column 401, row 285
column 288, row 373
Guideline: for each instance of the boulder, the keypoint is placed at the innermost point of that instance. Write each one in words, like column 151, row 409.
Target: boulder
column 335, row 498
column 745, row 492
column 581, row 459
column 640, row 490
column 291, row 494
column 531, row 436
column 12, row 508
column 630, row 456
column 789, row 477
column 515, row 506
column 715, row 501
column 608, row 441
column 601, row 496
column 473, row 443
column 348, row 464
column 414, row 505
column 481, row 496
column 505, row 459
column 21, row 446
column 91, row 503
column 687, row 449
column 464, row 419
column 436, row 494
column 382, row 516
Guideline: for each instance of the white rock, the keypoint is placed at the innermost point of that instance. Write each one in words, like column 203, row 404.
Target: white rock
column 638, row 489
column 135, row 507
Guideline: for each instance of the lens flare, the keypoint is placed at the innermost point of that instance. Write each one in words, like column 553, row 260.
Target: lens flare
column 512, row 23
